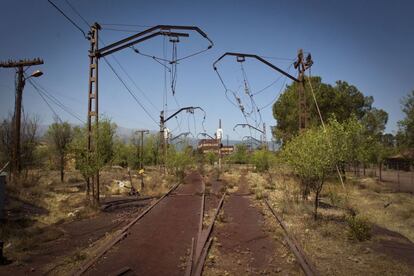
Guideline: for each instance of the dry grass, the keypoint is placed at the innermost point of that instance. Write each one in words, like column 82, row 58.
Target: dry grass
column 327, row 240
column 41, row 203
column 394, row 211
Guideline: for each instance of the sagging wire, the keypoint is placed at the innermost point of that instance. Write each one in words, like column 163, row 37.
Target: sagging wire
column 280, row 90
column 267, row 86
column 173, row 72
column 129, row 90
column 44, row 100
column 42, row 91
column 76, row 11
column 68, row 18
column 255, row 110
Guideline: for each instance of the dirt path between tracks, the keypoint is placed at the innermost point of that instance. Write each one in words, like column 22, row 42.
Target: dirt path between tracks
column 158, row 244
column 242, row 244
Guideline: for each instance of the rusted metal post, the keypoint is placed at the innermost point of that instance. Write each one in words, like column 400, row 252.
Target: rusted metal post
column 302, row 107
column 93, row 110
column 162, row 142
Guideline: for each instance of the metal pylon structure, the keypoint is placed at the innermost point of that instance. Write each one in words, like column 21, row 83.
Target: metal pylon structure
column 95, row 53
column 93, row 110
column 302, row 65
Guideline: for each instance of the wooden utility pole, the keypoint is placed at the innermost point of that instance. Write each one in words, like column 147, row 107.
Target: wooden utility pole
column 20, row 82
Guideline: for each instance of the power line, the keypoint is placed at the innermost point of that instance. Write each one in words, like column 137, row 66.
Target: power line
column 131, row 79
column 129, row 90
column 48, row 95
column 46, row 102
column 75, row 11
column 134, row 83
column 68, row 18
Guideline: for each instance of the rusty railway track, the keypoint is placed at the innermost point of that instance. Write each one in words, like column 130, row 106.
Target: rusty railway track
column 304, row 261
column 200, row 246
column 122, row 233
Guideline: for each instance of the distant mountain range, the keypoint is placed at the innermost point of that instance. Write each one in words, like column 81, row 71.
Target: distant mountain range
column 125, row 134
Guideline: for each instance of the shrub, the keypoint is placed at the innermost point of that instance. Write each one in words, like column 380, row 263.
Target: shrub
column 178, row 162
column 262, row 160
column 359, row 228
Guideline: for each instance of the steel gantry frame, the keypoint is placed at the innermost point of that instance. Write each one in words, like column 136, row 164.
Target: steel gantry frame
column 95, row 53
column 263, row 132
column 301, row 64
column 163, row 120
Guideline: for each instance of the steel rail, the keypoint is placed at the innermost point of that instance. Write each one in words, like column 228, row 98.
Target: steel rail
column 121, row 235
column 204, row 242
column 306, row 265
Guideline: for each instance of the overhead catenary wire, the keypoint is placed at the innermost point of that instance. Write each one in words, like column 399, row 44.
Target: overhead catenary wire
column 76, row 11
column 68, row 18
column 134, row 83
column 45, row 101
column 129, row 90
column 280, row 91
column 131, row 79
column 53, row 99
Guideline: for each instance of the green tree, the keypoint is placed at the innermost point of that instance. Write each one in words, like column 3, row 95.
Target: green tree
column 178, row 162
column 59, row 136
column 312, row 158
column 89, row 164
column 262, row 159
column 406, row 126
column 341, row 101
column 374, row 122
column 314, row 154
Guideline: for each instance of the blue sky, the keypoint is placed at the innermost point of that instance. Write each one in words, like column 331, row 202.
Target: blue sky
column 366, row 43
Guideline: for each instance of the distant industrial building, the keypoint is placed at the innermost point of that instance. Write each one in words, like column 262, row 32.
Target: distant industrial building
column 213, row 145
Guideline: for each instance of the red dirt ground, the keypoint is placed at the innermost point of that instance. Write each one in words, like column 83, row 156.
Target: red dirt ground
column 77, row 234
column 244, row 247
column 158, row 244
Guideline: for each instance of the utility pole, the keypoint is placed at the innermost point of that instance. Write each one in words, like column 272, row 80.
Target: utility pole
column 302, row 65
column 93, row 111
column 95, row 53
column 164, row 132
column 141, row 150
column 20, row 83
column 219, row 136
column 141, row 156
column 162, row 138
